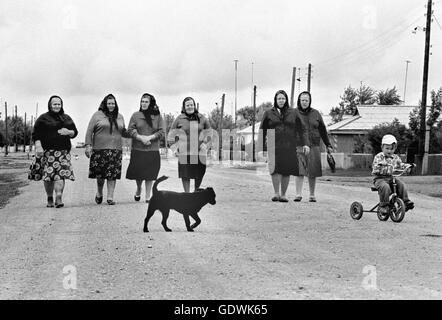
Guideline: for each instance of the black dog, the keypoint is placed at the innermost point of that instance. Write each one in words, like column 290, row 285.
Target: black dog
column 188, row 204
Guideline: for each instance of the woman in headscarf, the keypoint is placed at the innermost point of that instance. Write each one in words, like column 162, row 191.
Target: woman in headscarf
column 191, row 147
column 52, row 134
column 146, row 127
column 104, row 147
column 281, row 143
column 310, row 164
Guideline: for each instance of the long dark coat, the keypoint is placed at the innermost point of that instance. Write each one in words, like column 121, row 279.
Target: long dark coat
column 281, row 142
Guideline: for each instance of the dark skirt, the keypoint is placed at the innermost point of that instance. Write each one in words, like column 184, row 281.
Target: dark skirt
column 143, row 165
column 191, row 167
column 57, row 165
column 310, row 166
column 284, row 162
column 105, row 164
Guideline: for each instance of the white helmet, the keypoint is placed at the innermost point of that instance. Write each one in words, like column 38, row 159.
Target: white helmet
column 388, row 139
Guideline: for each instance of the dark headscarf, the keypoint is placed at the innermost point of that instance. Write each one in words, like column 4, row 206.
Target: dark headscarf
column 286, row 104
column 191, row 117
column 112, row 116
column 152, row 109
column 300, row 108
column 56, row 115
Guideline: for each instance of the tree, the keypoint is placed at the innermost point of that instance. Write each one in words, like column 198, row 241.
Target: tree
column 433, row 121
column 16, row 136
column 403, row 136
column 388, row 97
column 214, row 119
column 350, row 99
column 247, row 112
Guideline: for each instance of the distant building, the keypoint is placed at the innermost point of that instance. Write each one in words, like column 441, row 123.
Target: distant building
column 343, row 133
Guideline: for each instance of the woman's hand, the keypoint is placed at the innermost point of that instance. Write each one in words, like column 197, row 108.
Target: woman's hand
column 65, row 132
column 329, row 149
column 39, row 151
column 306, row 150
column 88, row 151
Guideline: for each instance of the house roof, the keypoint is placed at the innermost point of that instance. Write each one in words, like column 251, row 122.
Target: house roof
column 371, row 116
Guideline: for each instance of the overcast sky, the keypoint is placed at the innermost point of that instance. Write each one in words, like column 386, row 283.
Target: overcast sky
column 85, row 49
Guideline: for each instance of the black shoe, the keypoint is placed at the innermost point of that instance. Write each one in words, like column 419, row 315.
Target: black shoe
column 98, row 199
column 283, row 199
column 50, row 202
column 137, row 198
column 58, row 202
column 147, row 201
column 409, row 205
column 110, row 202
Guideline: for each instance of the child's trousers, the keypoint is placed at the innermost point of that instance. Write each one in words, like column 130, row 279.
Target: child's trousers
column 384, row 190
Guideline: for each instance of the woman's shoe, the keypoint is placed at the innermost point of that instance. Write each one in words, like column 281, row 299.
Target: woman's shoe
column 275, row 199
column 50, row 202
column 110, row 202
column 298, row 198
column 312, row 199
column 98, row 199
column 283, row 199
column 58, row 202
column 137, row 198
column 147, row 201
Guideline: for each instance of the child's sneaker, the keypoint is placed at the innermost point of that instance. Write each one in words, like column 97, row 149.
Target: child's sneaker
column 409, row 205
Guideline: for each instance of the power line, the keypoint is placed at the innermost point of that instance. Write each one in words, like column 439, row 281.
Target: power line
column 366, row 46
column 437, row 22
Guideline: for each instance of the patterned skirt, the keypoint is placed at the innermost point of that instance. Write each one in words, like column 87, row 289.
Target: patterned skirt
column 57, row 165
column 105, row 164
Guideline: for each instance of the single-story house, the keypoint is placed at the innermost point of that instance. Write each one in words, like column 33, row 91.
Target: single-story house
column 343, row 133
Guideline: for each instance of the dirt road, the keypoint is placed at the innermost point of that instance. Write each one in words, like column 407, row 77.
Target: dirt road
column 245, row 248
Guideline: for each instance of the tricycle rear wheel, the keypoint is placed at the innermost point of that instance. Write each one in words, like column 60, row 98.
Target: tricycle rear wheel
column 356, row 210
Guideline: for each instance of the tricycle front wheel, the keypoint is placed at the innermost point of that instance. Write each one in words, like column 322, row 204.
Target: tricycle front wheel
column 397, row 210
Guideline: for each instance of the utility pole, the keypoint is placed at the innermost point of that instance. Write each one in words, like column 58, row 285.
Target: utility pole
column 423, row 149
column 253, row 124
column 309, row 77
column 292, row 94
column 221, row 128
column 15, row 129
column 6, row 126
column 236, row 88
column 406, row 74
column 166, row 124
column 252, row 85
column 24, row 135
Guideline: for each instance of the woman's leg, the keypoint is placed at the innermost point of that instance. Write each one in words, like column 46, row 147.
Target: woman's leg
column 285, row 180
column 198, row 182
column 59, row 187
column 299, row 181
column 49, row 187
column 148, row 184
column 139, row 184
column 110, row 189
column 186, row 184
column 312, row 186
column 276, row 181
column 100, row 185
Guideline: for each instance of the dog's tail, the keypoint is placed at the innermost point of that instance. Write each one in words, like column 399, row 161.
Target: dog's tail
column 155, row 190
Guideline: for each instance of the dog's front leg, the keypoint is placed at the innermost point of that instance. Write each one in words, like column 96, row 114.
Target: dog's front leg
column 187, row 222
column 197, row 220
